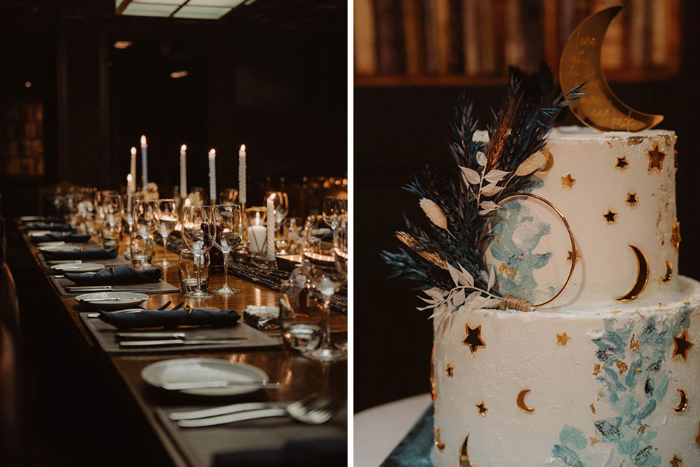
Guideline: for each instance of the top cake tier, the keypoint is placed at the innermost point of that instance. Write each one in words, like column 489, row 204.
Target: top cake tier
column 617, row 192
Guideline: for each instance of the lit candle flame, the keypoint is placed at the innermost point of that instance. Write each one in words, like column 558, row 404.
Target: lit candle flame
column 143, row 140
column 129, row 178
column 183, row 148
column 133, row 151
column 187, row 202
column 243, row 147
column 212, row 153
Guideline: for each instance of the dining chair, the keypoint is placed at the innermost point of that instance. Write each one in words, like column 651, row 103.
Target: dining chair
column 10, row 423
column 9, row 303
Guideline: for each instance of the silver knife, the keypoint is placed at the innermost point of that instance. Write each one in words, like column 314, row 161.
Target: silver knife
column 66, row 261
column 135, row 336
column 215, row 411
column 178, row 342
column 87, row 288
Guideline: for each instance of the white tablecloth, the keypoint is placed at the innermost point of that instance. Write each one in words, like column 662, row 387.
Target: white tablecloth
column 380, row 429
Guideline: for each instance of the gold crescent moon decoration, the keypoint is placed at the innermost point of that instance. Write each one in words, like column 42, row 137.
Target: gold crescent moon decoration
column 521, row 401
column 684, row 402
column 580, row 63
column 433, row 392
column 464, row 454
column 438, row 444
column 669, row 272
column 574, row 250
column 642, row 276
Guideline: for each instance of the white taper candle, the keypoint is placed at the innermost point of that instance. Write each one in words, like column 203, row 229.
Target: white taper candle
column 271, row 228
column 212, row 176
column 241, row 174
column 183, row 171
column 144, row 161
column 131, row 187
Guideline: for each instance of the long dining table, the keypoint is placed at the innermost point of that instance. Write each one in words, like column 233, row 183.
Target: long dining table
column 298, row 375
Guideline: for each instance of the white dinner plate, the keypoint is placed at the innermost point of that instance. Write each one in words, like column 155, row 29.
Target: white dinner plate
column 78, row 267
column 57, row 246
column 31, row 219
column 112, row 300
column 181, row 370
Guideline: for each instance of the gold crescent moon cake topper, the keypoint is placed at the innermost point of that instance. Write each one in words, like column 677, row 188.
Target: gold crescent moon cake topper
column 580, row 63
column 521, row 401
column 642, row 276
column 684, row 402
column 464, row 454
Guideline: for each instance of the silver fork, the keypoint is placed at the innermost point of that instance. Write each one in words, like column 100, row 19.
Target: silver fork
column 312, row 410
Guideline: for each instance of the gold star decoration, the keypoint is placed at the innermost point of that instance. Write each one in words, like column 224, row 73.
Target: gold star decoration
column 563, row 339
column 622, row 163
column 449, row 370
column 610, row 217
column 438, row 444
column 656, row 158
column 570, row 254
column 676, row 234
column 482, row 409
column 681, row 345
column 632, row 199
column 676, row 461
column 568, row 181
column 473, row 339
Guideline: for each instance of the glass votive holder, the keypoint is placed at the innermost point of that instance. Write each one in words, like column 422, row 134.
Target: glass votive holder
column 109, row 234
column 301, row 316
column 189, row 266
column 143, row 250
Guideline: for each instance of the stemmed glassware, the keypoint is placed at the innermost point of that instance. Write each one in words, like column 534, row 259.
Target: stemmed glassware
column 167, row 216
column 198, row 232
column 332, row 209
column 143, row 245
column 320, row 264
column 228, row 222
column 110, row 210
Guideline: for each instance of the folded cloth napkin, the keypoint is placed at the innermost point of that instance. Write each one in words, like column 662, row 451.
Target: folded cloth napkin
column 68, row 237
column 85, row 254
column 52, row 227
column 170, row 318
column 300, row 452
column 120, row 275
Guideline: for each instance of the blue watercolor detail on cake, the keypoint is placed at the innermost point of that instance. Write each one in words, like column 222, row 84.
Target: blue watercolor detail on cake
column 633, row 395
column 519, row 257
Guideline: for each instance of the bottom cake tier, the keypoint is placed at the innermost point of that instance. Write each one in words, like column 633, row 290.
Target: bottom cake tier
column 579, row 388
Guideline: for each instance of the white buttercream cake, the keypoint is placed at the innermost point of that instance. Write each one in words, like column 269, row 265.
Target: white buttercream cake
column 605, row 375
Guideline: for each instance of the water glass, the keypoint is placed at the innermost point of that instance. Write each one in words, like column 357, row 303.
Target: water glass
column 189, row 266
column 143, row 250
column 301, row 317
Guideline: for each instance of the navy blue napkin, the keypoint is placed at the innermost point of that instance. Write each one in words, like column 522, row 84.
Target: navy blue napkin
column 52, row 227
column 75, row 255
column 170, row 318
column 300, row 452
column 68, row 237
column 416, row 448
column 120, row 275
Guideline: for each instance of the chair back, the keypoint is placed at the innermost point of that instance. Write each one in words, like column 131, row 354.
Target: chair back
column 9, row 303
column 10, row 423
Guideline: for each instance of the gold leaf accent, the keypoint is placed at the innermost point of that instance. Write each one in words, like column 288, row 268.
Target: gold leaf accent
column 450, row 371
column 596, row 369
column 642, row 429
column 503, row 270
column 622, row 366
column 634, row 344
column 594, row 441
column 593, row 409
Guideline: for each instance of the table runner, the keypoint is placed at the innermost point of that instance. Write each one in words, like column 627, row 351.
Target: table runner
column 199, row 445
column 416, row 447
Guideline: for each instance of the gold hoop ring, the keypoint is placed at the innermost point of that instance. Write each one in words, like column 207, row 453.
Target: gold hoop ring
column 574, row 251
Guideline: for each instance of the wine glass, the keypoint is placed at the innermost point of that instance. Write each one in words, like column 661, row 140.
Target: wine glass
column 228, row 223
column 320, row 266
column 110, row 210
column 100, row 198
column 340, row 253
column 145, row 216
column 228, row 196
column 332, row 208
column 167, row 216
column 198, row 233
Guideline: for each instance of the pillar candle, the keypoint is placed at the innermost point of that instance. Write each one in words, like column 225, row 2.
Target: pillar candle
column 256, row 236
column 183, row 171
column 271, row 228
column 144, row 161
column 212, row 176
column 241, row 174
column 131, row 187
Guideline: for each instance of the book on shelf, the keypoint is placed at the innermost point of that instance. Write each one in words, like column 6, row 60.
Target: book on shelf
column 481, row 38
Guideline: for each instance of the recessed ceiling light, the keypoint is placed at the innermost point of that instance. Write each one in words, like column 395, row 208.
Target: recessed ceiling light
column 219, row 3
column 143, row 9
column 179, row 74
column 28, row 84
column 123, row 44
column 201, row 12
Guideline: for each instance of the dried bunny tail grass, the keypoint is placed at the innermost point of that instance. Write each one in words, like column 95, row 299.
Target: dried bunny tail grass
column 434, row 213
column 531, row 164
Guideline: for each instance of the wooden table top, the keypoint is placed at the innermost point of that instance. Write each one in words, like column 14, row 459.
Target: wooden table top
column 299, row 375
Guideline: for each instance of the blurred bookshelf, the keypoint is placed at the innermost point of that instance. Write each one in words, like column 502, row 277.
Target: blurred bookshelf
column 472, row 42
